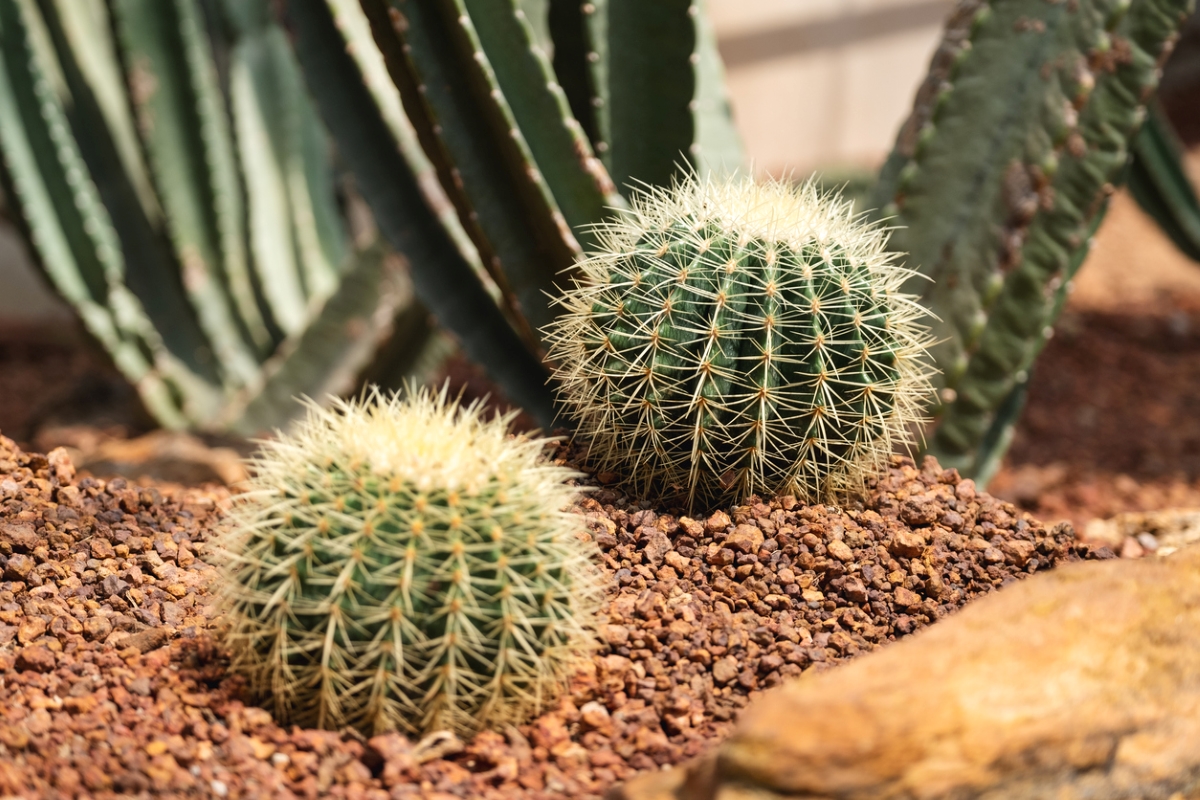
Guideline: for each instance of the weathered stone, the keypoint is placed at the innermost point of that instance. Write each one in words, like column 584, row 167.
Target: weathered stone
column 746, row 538
column 908, row 544
column 1083, row 682
column 840, row 551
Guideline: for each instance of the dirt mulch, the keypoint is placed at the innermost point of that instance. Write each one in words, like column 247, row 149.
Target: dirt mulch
column 111, row 684
column 1112, row 423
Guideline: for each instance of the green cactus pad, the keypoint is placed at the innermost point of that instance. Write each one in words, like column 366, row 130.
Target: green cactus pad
column 405, row 564
column 734, row 337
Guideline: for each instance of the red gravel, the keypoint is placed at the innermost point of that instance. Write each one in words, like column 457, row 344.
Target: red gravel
column 111, row 685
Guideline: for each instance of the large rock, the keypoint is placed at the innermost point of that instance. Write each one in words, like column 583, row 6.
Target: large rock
column 1079, row 683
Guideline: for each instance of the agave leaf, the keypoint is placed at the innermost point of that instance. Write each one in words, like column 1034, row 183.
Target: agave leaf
column 482, row 157
column 442, row 276
column 717, row 146
column 1158, row 181
column 646, row 131
column 173, row 116
column 339, row 339
column 57, row 201
column 531, row 100
column 296, row 236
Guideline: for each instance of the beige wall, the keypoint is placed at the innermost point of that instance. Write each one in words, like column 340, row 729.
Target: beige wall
column 819, row 83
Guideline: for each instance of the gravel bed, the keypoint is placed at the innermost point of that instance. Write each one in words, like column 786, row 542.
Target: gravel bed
column 111, row 684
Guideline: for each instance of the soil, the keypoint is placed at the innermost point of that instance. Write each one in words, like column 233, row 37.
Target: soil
column 114, row 682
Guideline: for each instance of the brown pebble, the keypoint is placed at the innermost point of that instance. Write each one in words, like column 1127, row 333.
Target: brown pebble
column 97, row 628
column 18, row 567
column 840, row 550
column 1131, row 548
column 144, row 642
column 31, row 628
column 615, row 635
column 725, row 670
column 906, row 598
column 657, row 545
column 908, row 544
column 34, row 659
column 746, row 538
column 14, row 737
column 718, row 522
column 1019, row 551
column 20, row 536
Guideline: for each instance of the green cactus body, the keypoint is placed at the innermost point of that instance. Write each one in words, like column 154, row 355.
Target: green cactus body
column 735, row 337
column 404, row 564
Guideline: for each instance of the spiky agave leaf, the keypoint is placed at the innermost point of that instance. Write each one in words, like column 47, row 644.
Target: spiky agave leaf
column 733, row 337
column 403, row 563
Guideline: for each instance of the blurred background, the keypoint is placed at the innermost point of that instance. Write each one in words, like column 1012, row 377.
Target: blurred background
column 814, row 83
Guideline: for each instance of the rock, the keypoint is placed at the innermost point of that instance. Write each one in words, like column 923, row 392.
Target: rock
column 719, row 521
column 657, row 545
column 145, row 641
column 60, row 464
column 908, row 544
column 1018, row 551
column 906, row 598
column 21, row 536
column 840, row 551
column 18, row 567
column 1132, row 548
column 746, row 538
column 96, row 628
column 1082, row 682
column 35, row 659
column 31, row 628
column 725, row 670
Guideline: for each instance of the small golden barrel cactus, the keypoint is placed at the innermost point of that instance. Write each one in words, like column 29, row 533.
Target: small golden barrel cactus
column 732, row 337
column 406, row 564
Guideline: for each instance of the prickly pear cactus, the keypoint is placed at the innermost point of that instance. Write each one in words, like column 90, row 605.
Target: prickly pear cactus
column 405, row 564
column 733, row 337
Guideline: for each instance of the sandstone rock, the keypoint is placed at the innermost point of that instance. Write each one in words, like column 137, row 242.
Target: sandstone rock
column 1083, row 682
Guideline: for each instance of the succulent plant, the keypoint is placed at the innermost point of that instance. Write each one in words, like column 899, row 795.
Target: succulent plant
column 403, row 563
column 177, row 188
column 999, row 180
column 731, row 336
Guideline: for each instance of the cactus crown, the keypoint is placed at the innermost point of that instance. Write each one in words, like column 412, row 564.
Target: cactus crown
column 405, row 564
column 733, row 337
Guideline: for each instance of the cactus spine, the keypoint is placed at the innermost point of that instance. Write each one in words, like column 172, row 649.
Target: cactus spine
column 733, row 337
column 405, row 564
